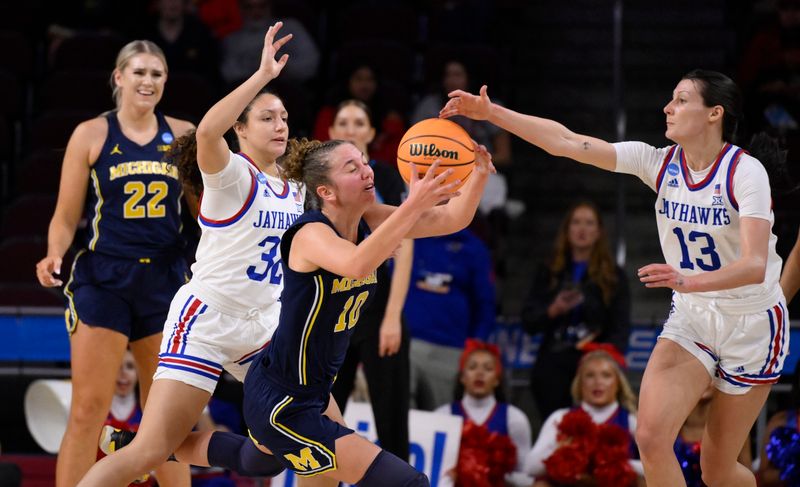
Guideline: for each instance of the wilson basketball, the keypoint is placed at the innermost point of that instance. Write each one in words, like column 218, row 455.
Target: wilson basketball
column 436, row 138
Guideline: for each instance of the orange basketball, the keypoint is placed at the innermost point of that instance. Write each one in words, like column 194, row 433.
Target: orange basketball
column 436, row 138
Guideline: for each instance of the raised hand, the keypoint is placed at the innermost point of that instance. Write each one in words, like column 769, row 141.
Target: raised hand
column 483, row 159
column 471, row 106
column 271, row 47
column 430, row 190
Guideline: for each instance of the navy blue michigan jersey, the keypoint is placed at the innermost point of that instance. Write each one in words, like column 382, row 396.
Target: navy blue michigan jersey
column 133, row 203
column 318, row 313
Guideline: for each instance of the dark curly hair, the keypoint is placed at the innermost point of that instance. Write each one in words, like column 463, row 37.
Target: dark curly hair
column 183, row 155
column 306, row 161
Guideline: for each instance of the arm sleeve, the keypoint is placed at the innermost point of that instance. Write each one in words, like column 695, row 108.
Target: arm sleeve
column 751, row 189
column 545, row 444
column 641, row 160
column 519, row 429
column 226, row 191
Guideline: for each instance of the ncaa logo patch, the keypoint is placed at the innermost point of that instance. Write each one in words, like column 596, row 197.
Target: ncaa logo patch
column 261, row 178
column 672, row 169
column 167, row 138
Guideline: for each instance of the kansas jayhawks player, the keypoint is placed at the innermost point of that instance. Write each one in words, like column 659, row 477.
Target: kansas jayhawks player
column 131, row 263
column 728, row 323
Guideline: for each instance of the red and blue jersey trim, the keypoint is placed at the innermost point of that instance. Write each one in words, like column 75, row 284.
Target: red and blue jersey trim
column 664, row 165
column 235, row 218
column 284, row 192
column 188, row 363
column 707, row 350
column 710, row 176
column 777, row 331
column 192, row 308
column 729, row 179
column 248, row 357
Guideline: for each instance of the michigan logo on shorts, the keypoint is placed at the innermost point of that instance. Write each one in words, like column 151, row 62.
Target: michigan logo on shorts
column 303, row 462
column 313, row 458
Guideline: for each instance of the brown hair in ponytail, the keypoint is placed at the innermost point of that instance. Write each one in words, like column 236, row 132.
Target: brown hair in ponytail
column 306, row 161
column 183, row 155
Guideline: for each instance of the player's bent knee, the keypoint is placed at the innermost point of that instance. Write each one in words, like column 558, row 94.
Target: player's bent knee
column 387, row 470
column 239, row 454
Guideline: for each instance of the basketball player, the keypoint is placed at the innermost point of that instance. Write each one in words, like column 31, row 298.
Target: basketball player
column 229, row 310
column 131, row 264
column 728, row 322
column 330, row 271
column 326, row 290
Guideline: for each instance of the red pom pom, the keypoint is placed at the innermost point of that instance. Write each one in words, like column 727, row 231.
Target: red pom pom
column 567, row 464
column 577, row 425
column 617, row 474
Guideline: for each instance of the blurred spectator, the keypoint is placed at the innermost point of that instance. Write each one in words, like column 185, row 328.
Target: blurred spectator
column 572, row 439
column 580, row 296
column 221, row 16
column 380, row 342
column 687, row 445
column 185, row 40
column 451, row 298
column 241, row 50
column 780, row 449
column 386, row 102
column 496, row 436
column 769, row 72
column 125, row 411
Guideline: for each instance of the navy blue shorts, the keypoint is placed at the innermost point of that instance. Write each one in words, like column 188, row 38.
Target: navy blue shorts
column 291, row 426
column 125, row 295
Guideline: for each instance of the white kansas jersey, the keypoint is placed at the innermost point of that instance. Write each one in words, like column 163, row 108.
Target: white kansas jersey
column 698, row 214
column 243, row 215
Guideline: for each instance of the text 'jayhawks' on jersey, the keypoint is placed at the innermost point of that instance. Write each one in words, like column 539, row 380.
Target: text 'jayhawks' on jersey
column 133, row 204
column 698, row 213
column 318, row 312
column 243, row 215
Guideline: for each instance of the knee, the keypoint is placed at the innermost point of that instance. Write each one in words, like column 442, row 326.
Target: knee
column 714, row 473
column 255, row 463
column 144, row 455
column 88, row 410
column 652, row 439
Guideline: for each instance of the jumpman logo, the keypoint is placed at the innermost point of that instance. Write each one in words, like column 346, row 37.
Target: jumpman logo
column 115, row 150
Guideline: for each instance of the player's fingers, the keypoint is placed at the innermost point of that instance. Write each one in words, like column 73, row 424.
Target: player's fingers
column 280, row 42
column 431, row 172
column 414, row 173
column 457, row 93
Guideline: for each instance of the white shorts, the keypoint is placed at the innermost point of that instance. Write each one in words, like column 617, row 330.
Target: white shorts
column 738, row 350
column 198, row 341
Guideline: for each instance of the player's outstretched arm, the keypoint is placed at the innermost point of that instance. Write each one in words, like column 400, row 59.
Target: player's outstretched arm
column 317, row 245
column 212, row 150
column 449, row 218
column 546, row 134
